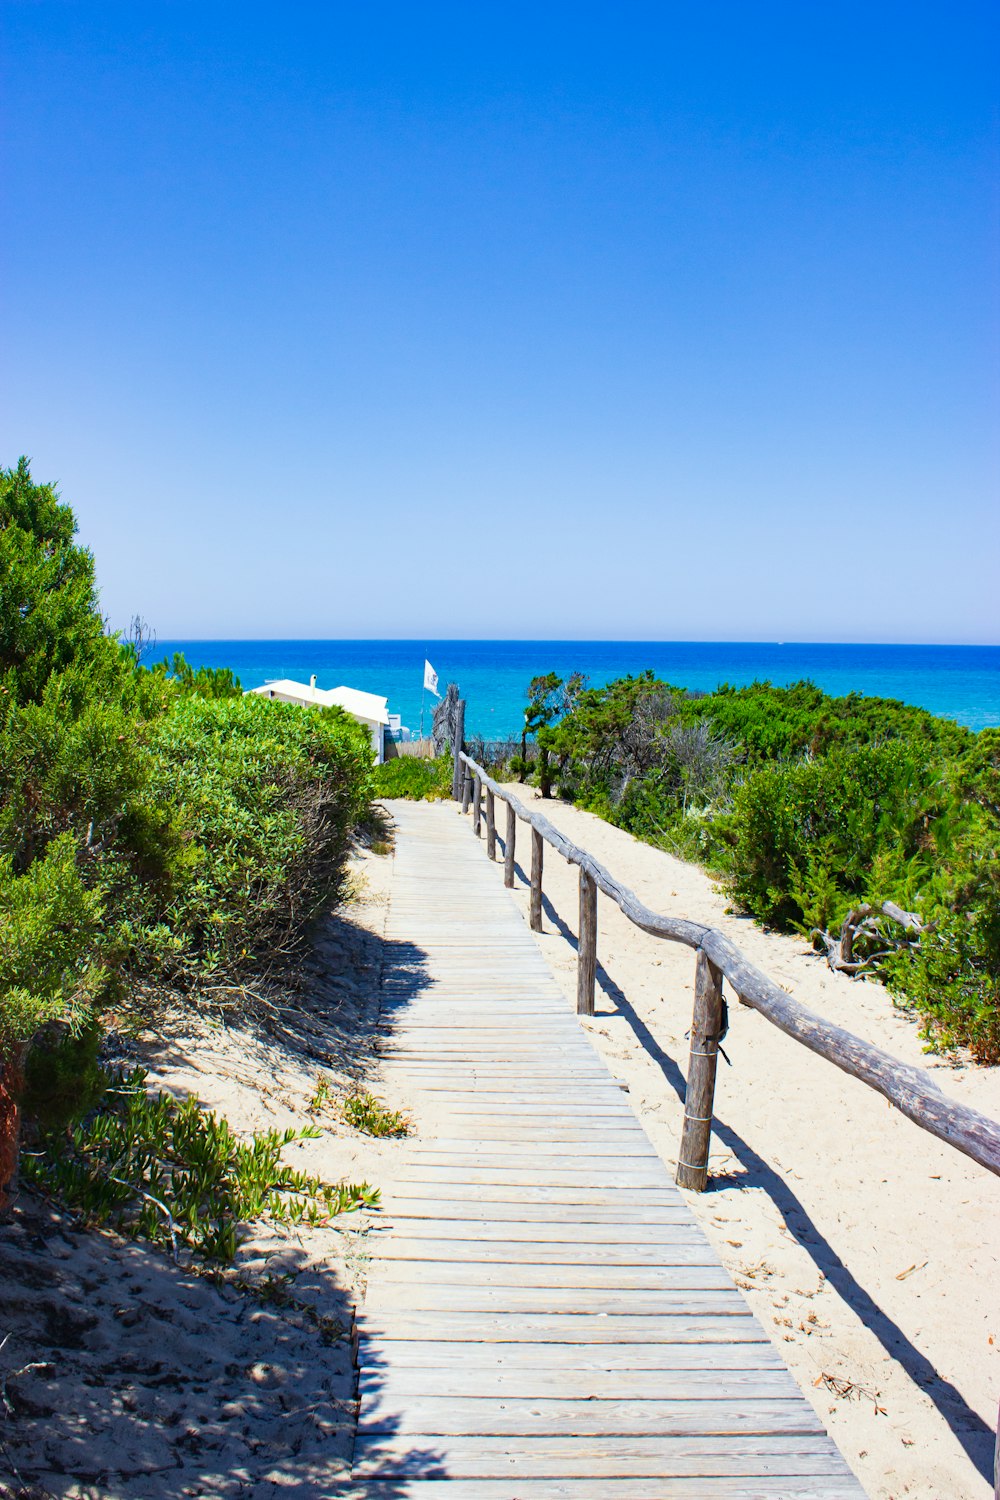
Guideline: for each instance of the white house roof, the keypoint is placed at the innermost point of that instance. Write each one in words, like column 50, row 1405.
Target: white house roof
column 359, row 705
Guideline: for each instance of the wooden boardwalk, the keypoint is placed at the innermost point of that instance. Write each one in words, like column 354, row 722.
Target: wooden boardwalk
column 544, row 1317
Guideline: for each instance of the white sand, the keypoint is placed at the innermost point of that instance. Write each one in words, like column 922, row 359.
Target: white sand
column 868, row 1249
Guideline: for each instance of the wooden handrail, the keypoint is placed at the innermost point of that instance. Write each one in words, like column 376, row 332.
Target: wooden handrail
column 912, row 1090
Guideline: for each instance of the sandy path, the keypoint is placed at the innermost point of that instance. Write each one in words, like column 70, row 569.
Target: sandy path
column 867, row 1248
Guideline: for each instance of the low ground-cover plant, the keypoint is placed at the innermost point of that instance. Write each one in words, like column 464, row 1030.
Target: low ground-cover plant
column 169, row 1171
column 368, row 1114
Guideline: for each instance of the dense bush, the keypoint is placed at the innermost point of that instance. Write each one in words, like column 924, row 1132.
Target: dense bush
column 413, row 777
column 267, row 795
column 157, row 829
column 807, row 806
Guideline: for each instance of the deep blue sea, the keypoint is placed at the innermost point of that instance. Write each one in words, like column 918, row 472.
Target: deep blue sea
column 959, row 682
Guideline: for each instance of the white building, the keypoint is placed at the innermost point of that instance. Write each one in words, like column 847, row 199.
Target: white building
column 368, row 708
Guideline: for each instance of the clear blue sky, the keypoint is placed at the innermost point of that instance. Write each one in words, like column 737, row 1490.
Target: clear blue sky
column 662, row 321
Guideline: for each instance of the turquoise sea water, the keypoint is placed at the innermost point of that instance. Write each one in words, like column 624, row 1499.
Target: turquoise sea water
column 959, row 682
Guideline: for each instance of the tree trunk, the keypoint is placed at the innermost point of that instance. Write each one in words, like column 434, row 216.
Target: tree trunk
column 11, row 1086
column 544, row 774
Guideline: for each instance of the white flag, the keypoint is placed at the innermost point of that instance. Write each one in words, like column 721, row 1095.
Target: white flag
column 431, row 679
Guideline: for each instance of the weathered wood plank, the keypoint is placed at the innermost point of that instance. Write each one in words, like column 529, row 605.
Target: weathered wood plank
column 563, row 1328
column 524, row 1252
column 398, row 1354
column 792, row 1487
column 578, row 1277
column 571, row 1384
column 613, row 1457
column 408, row 1296
column 538, row 1232
column 546, row 1417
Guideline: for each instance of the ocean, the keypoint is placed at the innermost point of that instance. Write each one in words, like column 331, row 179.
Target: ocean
column 957, row 682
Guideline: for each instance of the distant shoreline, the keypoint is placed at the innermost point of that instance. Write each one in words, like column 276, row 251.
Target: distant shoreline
column 955, row 682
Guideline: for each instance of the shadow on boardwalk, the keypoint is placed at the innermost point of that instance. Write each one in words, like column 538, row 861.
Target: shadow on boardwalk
column 974, row 1435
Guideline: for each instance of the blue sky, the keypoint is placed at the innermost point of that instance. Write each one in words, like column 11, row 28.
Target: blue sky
column 638, row 321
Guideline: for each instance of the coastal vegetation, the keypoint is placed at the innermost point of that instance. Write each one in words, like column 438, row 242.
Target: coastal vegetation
column 162, row 838
column 870, row 826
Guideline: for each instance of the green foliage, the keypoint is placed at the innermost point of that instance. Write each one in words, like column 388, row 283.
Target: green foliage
column 48, row 930
column 414, row 778
column 268, row 794
column 806, row 833
column 77, row 815
column 63, row 1077
column 169, row 1171
column 370, row 1115
column 807, row 805
column 549, row 698
column 158, row 831
column 206, row 682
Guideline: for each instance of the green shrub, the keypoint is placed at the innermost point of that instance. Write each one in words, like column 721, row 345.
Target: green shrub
column 78, row 817
column 805, row 835
column 412, row 777
column 807, row 805
column 268, row 795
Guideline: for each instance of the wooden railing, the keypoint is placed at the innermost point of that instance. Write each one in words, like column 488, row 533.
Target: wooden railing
column 913, row 1091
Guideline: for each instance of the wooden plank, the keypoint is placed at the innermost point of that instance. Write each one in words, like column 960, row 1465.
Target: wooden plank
column 457, row 1416
column 523, row 1252
column 792, row 1487
column 396, row 1207
column 398, row 1354
column 383, row 1296
column 580, row 1277
column 542, row 1176
column 569, row 1383
column 611, row 1457
column 611, row 1195
column 486, row 1232
column 558, row 1328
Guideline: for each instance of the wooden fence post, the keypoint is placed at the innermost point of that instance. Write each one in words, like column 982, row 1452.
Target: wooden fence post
column 466, row 788
column 586, row 952
column 706, row 1029
column 491, row 826
column 477, row 805
column 508, row 851
column 458, row 745
column 536, row 880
